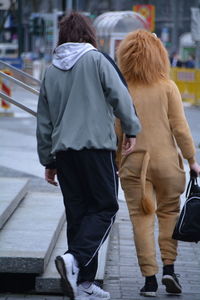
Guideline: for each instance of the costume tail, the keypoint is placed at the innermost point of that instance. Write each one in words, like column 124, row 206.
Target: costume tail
column 147, row 204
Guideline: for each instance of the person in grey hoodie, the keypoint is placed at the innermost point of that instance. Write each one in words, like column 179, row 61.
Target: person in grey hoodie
column 80, row 96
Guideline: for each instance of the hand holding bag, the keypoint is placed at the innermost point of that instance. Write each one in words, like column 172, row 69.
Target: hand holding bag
column 187, row 228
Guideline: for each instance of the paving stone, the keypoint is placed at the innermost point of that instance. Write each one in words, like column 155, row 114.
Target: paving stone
column 23, row 250
column 43, row 297
column 12, row 192
column 15, row 297
column 55, row 298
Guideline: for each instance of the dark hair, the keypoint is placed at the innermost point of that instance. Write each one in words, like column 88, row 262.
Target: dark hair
column 76, row 28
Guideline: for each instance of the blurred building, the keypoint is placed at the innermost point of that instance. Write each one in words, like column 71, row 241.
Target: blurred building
column 172, row 17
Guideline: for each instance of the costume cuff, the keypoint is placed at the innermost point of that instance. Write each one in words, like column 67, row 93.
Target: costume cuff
column 130, row 136
column 51, row 165
column 191, row 160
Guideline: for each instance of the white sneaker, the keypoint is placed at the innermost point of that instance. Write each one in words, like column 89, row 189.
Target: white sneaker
column 93, row 292
column 68, row 271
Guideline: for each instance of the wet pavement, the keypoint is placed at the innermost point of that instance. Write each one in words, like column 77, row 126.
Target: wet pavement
column 18, row 158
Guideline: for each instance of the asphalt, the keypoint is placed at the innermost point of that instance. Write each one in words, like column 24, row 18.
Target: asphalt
column 18, row 158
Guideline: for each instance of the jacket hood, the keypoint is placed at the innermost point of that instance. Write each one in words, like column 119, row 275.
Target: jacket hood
column 66, row 55
column 142, row 58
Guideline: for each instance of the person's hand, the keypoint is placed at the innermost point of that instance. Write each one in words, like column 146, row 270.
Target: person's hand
column 50, row 176
column 196, row 168
column 128, row 145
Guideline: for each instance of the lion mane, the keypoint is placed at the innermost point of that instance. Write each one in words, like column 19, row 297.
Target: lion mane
column 142, row 58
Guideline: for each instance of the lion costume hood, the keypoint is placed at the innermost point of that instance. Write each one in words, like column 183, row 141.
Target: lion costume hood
column 137, row 51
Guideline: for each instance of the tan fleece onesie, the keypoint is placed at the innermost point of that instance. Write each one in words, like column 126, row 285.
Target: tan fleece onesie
column 152, row 177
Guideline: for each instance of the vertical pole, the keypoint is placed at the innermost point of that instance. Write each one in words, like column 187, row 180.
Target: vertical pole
column 20, row 28
column 197, row 51
column 63, row 5
column 195, row 31
column 69, row 6
column 197, row 55
column 76, row 6
column 82, row 5
column 55, row 27
column 175, row 27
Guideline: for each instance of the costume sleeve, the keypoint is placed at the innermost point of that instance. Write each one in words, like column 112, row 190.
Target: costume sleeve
column 119, row 98
column 119, row 133
column 44, row 130
column 179, row 124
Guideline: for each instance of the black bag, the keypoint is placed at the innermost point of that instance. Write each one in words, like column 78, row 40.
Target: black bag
column 187, row 228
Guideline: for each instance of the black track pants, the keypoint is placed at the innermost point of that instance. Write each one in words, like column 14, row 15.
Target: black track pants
column 89, row 185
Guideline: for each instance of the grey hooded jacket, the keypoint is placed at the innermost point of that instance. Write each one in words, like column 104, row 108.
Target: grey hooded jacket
column 80, row 96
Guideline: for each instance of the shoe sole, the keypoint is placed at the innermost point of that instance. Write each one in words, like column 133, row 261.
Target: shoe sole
column 171, row 285
column 61, row 268
column 91, row 298
column 148, row 294
column 97, row 298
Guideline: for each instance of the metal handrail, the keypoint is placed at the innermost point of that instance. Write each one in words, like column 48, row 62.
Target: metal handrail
column 13, row 101
column 20, row 83
column 20, row 72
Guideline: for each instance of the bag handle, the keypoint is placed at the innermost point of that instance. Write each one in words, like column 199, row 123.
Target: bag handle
column 192, row 182
column 193, row 174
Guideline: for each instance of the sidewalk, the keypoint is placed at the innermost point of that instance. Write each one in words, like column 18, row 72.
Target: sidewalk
column 123, row 279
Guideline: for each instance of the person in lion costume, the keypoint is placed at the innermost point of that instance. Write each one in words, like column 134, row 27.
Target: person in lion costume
column 153, row 177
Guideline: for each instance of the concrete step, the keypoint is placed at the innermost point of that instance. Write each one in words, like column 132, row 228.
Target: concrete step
column 49, row 281
column 28, row 238
column 12, row 191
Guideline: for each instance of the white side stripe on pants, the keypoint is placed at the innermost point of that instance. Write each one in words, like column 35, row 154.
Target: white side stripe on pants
column 112, row 219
